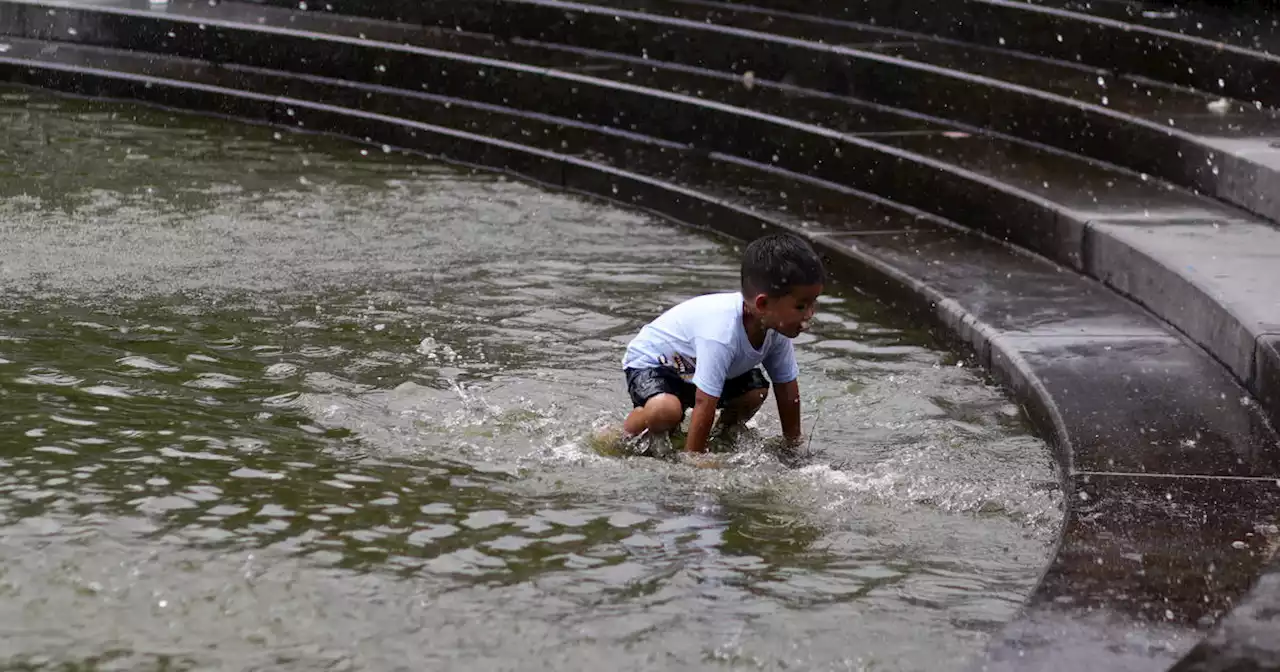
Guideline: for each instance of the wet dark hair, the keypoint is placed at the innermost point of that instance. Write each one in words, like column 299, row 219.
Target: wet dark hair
column 772, row 265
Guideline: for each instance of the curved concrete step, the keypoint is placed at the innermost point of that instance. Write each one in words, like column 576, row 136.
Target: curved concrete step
column 1223, row 151
column 1232, row 52
column 1091, row 368
column 1153, row 243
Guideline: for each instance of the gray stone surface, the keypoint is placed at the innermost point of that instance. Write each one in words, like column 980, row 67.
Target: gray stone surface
column 1146, row 563
column 1214, row 281
column 1148, row 404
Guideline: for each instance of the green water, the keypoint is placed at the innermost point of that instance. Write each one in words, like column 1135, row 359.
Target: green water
column 289, row 403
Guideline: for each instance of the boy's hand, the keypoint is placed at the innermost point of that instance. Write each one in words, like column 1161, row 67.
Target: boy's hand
column 700, row 421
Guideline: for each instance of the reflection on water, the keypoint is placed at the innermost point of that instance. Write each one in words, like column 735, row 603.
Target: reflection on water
column 278, row 403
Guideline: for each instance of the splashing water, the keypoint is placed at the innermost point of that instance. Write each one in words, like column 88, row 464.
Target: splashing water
column 362, row 420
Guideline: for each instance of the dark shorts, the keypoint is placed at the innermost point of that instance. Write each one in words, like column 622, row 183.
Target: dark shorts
column 645, row 384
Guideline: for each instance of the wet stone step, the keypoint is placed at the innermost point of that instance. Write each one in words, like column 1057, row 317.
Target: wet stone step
column 1190, row 110
column 1086, row 187
column 1147, row 564
column 479, row 44
column 1215, row 280
column 1178, row 109
column 991, row 24
column 1067, row 32
column 1181, row 158
column 845, row 115
column 1092, row 85
column 386, row 63
column 746, row 17
column 1069, row 328
column 1242, row 26
column 1010, row 291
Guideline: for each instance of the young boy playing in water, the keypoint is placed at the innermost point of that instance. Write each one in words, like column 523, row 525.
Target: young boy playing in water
column 703, row 353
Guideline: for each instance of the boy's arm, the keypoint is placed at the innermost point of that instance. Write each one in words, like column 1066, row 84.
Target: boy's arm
column 788, row 396
column 713, row 360
column 704, row 414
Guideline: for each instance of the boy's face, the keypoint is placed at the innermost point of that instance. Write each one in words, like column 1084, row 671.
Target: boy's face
column 790, row 313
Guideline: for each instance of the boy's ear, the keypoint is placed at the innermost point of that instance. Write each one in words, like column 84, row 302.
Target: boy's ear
column 761, row 302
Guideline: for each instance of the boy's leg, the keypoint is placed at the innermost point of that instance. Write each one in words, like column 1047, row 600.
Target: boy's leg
column 744, row 396
column 661, row 413
column 655, row 395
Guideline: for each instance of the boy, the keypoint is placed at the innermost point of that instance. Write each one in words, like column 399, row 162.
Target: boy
column 702, row 354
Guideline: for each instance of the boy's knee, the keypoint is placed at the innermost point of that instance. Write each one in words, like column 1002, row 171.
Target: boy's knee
column 755, row 398
column 664, row 413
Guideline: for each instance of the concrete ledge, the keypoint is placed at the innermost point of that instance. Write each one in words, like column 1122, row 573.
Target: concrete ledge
column 1215, row 282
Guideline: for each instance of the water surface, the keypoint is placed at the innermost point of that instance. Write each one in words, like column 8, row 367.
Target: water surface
column 294, row 404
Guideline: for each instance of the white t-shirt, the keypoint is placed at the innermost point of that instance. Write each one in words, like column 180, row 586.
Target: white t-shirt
column 704, row 341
